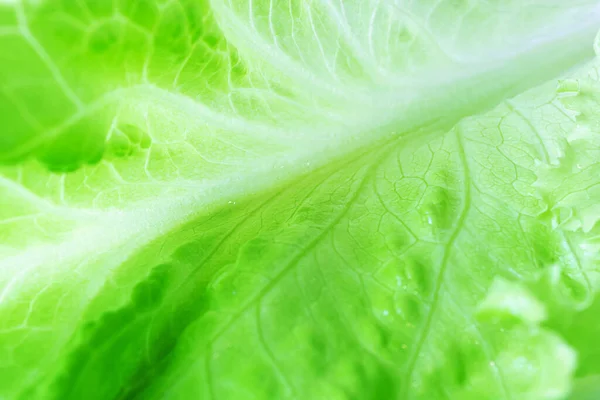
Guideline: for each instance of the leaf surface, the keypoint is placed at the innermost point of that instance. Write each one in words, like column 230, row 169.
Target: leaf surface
column 298, row 199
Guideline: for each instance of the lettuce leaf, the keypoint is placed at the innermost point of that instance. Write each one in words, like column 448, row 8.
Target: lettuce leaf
column 324, row 199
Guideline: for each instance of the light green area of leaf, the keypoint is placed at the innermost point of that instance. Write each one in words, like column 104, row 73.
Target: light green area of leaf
column 211, row 199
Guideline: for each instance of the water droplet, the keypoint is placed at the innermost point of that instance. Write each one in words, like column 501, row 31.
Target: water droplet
column 386, row 313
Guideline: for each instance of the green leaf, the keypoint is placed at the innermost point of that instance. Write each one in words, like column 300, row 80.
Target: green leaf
column 298, row 199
